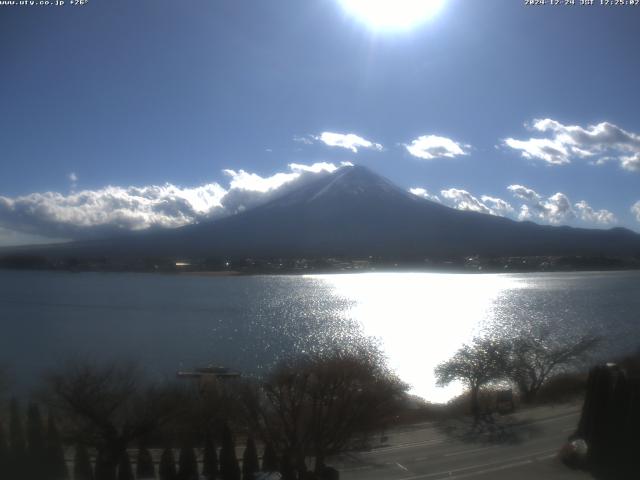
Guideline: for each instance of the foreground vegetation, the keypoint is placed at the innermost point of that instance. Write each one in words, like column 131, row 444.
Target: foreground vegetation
column 305, row 410
column 527, row 359
column 110, row 418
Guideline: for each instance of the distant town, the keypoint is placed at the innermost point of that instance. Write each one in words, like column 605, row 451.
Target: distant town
column 257, row 266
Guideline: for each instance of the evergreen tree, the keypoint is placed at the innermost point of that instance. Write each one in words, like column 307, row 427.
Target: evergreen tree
column 229, row 468
column 82, row 464
column 286, row 468
column 167, row 469
column 269, row 459
column 104, row 469
column 17, row 448
column 36, row 447
column 250, row 460
column 187, row 464
column 4, row 453
column 210, row 459
column 56, row 464
column 144, row 468
column 125, row 472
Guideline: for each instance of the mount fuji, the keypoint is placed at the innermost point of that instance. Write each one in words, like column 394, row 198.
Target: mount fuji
column 353, row 212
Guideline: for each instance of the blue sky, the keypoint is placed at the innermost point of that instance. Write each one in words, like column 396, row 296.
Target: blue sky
column 126, row 114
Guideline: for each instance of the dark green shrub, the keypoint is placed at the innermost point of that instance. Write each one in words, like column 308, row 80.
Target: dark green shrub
column 125, row 472
column 250, row 460
column 167, row 468
column 82, row 464
column 144, row 467
column 210, row 459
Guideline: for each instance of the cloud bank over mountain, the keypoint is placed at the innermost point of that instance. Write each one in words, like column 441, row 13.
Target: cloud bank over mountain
column 556, row 209
column 112, row 209
column 79, row 214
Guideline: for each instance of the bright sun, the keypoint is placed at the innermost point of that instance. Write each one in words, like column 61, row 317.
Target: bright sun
column 392, row 14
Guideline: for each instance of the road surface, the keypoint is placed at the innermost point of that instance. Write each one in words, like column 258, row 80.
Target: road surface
column 521, row 446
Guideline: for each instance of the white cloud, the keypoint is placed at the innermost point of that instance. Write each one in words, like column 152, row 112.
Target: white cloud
column 73, row 178
column 306, row 139
column 421, row 192
column 631, row 162
column 600, row 217
column 497, row 206
column 463, row 200
column 524, row 193
column 564, row 143
column 349, row 141
column 112, row 208
column 541, row 148
column 557, row 209
column 429, row 147
column 525, row 213
column 635, row 209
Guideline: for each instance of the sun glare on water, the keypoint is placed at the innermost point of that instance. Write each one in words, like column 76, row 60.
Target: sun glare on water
column 420, row 318
column 392, row 14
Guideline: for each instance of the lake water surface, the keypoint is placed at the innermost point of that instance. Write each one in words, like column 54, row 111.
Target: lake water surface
column 169, row 322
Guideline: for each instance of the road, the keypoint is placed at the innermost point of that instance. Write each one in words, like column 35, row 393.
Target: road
column 521, row 446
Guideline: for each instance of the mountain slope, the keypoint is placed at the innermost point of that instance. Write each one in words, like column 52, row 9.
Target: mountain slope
column 355, row 212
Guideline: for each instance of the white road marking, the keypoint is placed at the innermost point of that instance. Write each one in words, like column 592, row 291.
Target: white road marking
column 401, row 446
column 472, row 450
column 487, row 467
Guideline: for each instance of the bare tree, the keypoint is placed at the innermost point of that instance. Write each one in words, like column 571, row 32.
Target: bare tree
column 316, row 406
column 110, row 406
column 476, row 365
column 537, row 355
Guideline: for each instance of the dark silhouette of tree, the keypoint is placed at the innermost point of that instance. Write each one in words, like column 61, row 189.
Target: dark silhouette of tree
column 36, row 448
column 82, row 464
column 229, row 468
column 144, row 467
column 4, row 453
column 321, row 405
column 250, row 460
column 286, row 467
column 188, row 464
column 4, row 382
column 56, row 464
column 210, row 459
column 125, row 472
column 539, row 354
column 105, row 468
column 17, row 455
column 114, row 404
column 269, row 459
column 167, row 469
column 476, row 365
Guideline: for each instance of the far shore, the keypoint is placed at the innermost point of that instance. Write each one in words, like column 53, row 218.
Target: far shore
column 212, row 273
column 332, row 271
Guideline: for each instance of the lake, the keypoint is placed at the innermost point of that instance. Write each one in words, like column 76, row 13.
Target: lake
column 172, row 322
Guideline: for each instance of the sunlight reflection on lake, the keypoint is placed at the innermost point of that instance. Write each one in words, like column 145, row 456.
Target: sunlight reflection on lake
column 421, row 318
column 172, row 322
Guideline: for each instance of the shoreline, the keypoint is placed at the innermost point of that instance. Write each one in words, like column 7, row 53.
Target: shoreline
column 256, row 273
